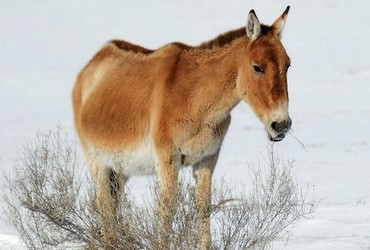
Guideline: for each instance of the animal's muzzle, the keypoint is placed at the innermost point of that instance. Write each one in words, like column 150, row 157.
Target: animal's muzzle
column 281, row 128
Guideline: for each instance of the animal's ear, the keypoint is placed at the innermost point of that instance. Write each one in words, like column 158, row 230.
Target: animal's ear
column 278, row 25
column 253, row 26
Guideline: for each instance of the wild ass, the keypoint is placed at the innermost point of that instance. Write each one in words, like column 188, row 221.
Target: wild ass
column 140, row 112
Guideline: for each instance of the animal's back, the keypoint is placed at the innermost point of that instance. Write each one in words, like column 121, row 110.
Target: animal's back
column 113, row 97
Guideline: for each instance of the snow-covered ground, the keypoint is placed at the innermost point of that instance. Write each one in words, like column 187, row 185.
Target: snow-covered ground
column 43, row 45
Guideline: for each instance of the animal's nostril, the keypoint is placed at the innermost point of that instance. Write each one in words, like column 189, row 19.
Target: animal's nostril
column 281, row 126
column 274, row 126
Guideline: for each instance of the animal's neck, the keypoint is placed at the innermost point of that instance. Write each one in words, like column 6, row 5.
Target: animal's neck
column 219, row 67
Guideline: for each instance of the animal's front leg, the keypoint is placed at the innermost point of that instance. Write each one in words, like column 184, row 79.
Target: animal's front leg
column 203, row 174
column 167, row 169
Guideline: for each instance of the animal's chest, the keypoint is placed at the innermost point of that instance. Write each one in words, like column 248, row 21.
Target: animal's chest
column 206, row 142
column 142, row 160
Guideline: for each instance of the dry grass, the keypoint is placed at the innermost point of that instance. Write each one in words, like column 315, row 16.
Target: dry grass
column 50, row 202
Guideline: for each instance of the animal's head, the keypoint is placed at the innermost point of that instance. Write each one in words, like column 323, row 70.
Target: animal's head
column 262, row 78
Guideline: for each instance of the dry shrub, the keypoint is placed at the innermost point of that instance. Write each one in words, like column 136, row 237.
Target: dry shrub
column 50, row 202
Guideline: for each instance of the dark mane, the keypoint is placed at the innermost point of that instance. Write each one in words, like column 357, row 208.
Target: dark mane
column 228, row 37
column 218, row 42
column 123, row 45
column 223, row 39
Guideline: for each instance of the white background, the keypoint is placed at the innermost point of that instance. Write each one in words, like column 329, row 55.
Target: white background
column 44, row 44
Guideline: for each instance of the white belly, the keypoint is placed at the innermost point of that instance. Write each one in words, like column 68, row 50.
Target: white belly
column 140, row 161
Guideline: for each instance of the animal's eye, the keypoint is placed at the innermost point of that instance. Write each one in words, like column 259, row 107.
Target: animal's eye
column 258, row 69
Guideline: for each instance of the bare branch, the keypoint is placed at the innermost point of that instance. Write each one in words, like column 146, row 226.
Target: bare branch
column 51, row 204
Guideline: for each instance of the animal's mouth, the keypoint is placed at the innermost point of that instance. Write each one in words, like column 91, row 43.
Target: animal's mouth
column 277, row 138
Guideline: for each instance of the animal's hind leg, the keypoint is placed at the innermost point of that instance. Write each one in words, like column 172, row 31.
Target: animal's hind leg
column 109, row 188
column 117, row 185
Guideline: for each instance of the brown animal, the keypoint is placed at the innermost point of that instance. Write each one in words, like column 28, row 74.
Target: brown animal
column 140, row 112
